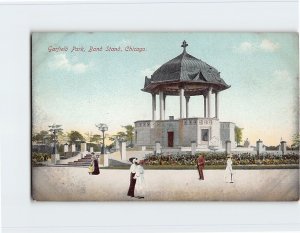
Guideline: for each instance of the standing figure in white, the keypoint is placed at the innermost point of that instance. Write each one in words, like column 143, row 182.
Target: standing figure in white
column 140, row 180
column 228, row 170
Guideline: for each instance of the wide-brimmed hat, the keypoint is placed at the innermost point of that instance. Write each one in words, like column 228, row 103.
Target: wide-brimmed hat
column 229, row 156
column 131, row 159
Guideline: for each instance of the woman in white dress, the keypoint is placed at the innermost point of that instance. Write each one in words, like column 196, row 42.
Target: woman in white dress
column 228, row 170
column 140, row 180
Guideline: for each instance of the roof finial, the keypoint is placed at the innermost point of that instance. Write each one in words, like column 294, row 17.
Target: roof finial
column 184, row 45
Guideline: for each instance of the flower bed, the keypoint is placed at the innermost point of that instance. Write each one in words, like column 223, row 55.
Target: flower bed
column 219, row 159
column 37, row 158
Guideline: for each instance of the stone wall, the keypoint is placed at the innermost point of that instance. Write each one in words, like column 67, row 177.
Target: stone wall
column 227, row 133
column 185, row 131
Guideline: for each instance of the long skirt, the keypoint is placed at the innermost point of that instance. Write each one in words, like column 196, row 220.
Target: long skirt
column 228, row 175
column 140, row 186
column 96, row 168
column 132, row 185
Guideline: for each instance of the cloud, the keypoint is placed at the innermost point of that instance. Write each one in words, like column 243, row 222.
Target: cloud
column 61, row 62
column 268, row 45
column 265, row 45
column 149, row 71
column 246, row 47
column 282, row 75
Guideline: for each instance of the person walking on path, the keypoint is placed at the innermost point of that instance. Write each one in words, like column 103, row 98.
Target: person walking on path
column 132, row 175
column 228, row 170
column 200, row 166
column 140, row 181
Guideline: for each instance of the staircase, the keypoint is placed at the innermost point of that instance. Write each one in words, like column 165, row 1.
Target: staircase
column 84, row 162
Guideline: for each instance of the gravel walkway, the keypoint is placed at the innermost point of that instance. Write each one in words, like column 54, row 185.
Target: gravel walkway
column 74, row 184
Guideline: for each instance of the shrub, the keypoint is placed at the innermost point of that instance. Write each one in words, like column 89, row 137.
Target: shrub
column 217, row 159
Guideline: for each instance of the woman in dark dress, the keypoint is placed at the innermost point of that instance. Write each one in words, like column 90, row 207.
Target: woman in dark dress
column 96, row 170
column 132, row 179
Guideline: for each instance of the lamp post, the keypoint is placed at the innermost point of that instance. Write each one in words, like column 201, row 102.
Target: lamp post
column 55, row 129
column 102, row 128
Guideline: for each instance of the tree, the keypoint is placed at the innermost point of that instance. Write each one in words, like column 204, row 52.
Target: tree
column 40, row 137
column 96, row 138
column 75, row 136
column 129, row 133
column 238, row 134
column 295, row 141
column 121, row 135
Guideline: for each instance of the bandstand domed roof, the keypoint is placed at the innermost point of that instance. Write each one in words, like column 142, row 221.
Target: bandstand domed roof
column 185, row 71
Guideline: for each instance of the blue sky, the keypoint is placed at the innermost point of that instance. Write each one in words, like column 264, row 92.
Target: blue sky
column 80, row 89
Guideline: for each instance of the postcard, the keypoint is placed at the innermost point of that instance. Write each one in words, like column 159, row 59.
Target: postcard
column 186, row 116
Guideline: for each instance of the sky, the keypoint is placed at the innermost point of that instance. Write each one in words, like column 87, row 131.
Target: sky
column 78, row 89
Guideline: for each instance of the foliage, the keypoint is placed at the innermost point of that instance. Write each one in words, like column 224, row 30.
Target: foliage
column 39, row 157
column 295, row 141
column 96, row 138
column 238, row 134
column 219, row 159
column 39, row 137
column 96, row 147
column 73, row 136
column 129, row 133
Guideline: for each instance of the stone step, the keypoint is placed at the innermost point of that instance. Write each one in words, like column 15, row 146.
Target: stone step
column 85, row 162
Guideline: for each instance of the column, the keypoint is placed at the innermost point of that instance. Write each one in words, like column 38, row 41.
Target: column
column 259, row 147
column 105, row 160
column 123, row 150
column 193, row 147
column 157, row 148
column 227, row 147
column 205, row 106
column 83, row 147
column 209, row 103
column 161, row 105
column 217, row 105
column 187, row 99
column 283, row 147
column 73, row 148
column 66, row 148
column 153, row 106
column 164, row 117
column 181, row 102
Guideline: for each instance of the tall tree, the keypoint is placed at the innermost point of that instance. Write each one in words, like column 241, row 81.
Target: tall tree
column 75, row 136
column 238, row 134
column 129, row 133
column 295, row 141
column 40, row 137
column 96, row 138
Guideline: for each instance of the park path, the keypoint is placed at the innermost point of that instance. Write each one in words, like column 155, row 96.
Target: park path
column 74, row 184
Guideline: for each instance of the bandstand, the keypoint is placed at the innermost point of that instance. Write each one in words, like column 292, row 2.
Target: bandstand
column 185, row 76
